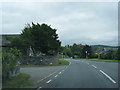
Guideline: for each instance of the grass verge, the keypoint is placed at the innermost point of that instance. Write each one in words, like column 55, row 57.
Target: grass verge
column 21, row 81
column 101, row 60
column 61, row 62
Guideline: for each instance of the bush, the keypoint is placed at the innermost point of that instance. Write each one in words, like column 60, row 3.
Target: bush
column 9, row 62
column 110, row 55
column 94, row 55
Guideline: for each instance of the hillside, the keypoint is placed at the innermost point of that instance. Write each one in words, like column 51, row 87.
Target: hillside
column 96, row 47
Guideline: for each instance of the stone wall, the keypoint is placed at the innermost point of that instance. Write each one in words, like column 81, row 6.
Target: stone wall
column 41, row 60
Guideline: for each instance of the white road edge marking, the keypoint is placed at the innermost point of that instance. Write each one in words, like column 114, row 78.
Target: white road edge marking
column 47, row 77
column 63, row 70
column 53, row 73
column 59, row 72
column 39, row 88
column 94, row 66
column 107, row 76
column 56, row 75
column 49, row 81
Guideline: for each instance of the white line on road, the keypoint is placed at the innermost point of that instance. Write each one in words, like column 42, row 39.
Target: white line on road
column 39, row 88
column 59, row 72
column 66, row 68
column 47, row 77
column 56, row 76
column 52, row 74
column 63, row 70
column 49, row 81
column 94, row 66
column 107, row 76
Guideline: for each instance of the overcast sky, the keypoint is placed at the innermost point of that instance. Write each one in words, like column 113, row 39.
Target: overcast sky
column 76, row 22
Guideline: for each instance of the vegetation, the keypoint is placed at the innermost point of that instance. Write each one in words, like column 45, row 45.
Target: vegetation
column 0, row 63
column 76, row 50
column 21, row 81
column 0, row 59
column 63, row 62
column 101, row 60
column 79, row 51
column 9, row 62
column 110, row 54
column 41, row 38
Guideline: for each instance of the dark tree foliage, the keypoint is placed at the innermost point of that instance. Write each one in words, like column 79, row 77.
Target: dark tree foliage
column 87, row 49
column 18, row 43
column 77, row 50
column 118, row 53
column 42, row 38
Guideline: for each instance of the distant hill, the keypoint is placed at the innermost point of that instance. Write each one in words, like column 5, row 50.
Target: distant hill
column 96, row 47
column 103, row 46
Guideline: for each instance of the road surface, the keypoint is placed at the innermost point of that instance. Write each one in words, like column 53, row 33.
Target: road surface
column 39, row 74
column 83, row 74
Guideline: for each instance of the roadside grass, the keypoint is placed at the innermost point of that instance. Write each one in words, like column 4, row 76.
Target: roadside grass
column 61, row 62
column 21, row 81
column 101, row 60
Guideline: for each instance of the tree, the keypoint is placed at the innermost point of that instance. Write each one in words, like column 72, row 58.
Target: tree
column 115, row 55
column 118, row 53
column 68, row 52
column 77, row 50
column 86, row 51
column 41, row 38
column 18, row 43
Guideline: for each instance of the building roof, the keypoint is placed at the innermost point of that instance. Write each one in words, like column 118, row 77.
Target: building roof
column 3, row 38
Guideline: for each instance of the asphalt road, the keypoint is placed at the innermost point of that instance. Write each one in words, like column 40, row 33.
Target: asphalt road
column 39, row 74
column 84, row 74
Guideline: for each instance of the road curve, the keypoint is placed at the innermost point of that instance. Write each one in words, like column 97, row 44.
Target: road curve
column 84, row 74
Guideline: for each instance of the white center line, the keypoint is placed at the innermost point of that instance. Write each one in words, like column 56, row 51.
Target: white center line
column 49, row 81
column 94, row 66
column 56, row 75
column 107, row 76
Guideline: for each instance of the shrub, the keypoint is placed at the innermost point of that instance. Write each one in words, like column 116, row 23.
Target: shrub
column 9, row 62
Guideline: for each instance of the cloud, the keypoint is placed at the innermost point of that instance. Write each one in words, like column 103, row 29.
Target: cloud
column 90, row 23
